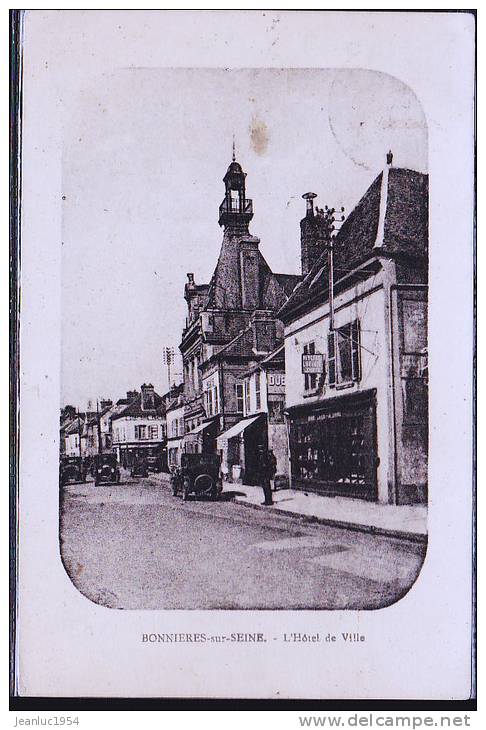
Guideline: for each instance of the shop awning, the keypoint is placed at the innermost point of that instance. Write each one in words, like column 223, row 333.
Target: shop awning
column 200, row 428
column 236, row 430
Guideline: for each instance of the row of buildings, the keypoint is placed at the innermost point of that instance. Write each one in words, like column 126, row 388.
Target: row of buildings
column 132, row 426
column 328, row 368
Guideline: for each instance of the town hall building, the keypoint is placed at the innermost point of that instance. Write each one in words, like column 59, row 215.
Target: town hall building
column 231, row 325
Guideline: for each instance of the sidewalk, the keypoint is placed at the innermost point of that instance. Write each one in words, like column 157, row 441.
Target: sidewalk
column 405, row 521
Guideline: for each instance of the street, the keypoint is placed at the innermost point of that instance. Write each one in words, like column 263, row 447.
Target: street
column 135, row 546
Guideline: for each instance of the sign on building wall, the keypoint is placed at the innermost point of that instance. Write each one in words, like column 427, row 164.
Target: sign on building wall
column 312, row 363
column 276, row 383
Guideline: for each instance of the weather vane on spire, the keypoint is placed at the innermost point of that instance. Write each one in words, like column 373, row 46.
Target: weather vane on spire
column 234, row 151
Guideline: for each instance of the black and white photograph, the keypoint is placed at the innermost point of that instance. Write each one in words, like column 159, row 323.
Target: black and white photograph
column 232, row 340
column 244, row 274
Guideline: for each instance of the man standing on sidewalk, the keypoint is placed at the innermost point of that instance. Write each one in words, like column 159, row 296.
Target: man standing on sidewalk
column 265, row 473
column 273, row 469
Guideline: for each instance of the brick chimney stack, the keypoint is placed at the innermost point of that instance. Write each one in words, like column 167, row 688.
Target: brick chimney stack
column 311, row 234
column 148, row 396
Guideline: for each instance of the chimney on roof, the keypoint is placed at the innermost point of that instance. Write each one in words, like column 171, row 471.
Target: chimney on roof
column 266, row 329
column 312, row 234
column 105, row 403
column 131, row 395
column 249, row 272
column 389, row 158
column 148, row 396
column 309, row 198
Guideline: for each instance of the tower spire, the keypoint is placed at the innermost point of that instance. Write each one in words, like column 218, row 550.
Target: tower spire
column 234, row 149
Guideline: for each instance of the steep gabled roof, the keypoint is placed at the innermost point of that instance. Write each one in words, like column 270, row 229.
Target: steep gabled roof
column 288, row 282
column 225, row 286
column 241, row 345
column 174, row 397
column 404, row 230
column 94, row 415
column 75, row 426
column 134, row 408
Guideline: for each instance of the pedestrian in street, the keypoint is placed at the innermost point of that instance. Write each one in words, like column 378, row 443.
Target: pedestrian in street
column 273, row 469
column 265, row 472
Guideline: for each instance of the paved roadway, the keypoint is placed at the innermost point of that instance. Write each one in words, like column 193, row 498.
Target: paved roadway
column 135, row 546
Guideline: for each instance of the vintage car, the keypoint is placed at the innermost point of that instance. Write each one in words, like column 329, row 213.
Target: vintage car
column 71, row 470
column 139, row 467
column 106, row 469
column 154, row 463
column 199, row 474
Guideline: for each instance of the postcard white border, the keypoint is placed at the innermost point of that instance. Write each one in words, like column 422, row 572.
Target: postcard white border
column 420, row 647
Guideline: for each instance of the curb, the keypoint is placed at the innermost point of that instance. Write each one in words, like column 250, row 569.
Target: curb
column 416, row 537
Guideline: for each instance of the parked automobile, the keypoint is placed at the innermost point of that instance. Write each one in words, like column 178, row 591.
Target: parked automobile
column 139, row 467
column 106, row 469
column 154, row 463
column 71, row 470
column 200, row 475
column 88, row 465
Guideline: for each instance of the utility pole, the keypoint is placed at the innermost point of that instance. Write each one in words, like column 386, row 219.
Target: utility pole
column 100, row 441
column 330, row 220
column 168, row 355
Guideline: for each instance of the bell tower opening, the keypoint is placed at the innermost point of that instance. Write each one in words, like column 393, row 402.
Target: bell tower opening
column 236, row 210
column 235, row 201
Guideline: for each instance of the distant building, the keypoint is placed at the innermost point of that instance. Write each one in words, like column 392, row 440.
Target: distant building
column 356, row 394
column 263, row 422
column 175, row 425
column 98, row 429
column 74, row 442
column 139, row 427
column 242, row 296
column 67, row 416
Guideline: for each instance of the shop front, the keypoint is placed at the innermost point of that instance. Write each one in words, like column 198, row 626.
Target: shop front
column 239, row 447
column 202, row 438
column 333, row 446
column 129, row 453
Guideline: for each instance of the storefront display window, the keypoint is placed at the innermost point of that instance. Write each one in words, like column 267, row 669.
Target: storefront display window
column 334, row 450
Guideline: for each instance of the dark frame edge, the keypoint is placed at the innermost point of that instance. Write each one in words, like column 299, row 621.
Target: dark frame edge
column 19, row 703
column 82, row 704
column 15, row 133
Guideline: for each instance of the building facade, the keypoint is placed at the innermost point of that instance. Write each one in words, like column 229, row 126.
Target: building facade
column 98, row 430
column 175, row 426
column 263, row 422
column 74, row 437
column 67, row 416
column 356, row 367
column 139, row 428
column 242, row 296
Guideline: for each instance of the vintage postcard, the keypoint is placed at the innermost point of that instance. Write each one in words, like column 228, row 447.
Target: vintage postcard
column 246, row 334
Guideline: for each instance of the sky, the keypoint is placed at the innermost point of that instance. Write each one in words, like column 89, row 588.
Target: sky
column 144, row 154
